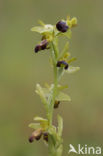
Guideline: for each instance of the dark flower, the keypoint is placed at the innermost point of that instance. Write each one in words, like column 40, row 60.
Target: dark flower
column 62, row 26
column 45, row 136
column 37, row 48
column 44, row 44
column 35, row 135
column 62, row 63
column 56, row 104
column 41, row 46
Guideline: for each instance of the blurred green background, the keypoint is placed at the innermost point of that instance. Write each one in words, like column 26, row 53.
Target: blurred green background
column 21, row 69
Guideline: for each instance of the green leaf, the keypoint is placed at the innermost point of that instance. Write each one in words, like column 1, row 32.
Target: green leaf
column 65, row 50
column 59, row 150
column 41, row 93
column 60, row 73
column 52, row 135
column 63, row 97
column 35, row 125
column 55, row 46
column 60, row 125
column 68, row 34
column 72, row 69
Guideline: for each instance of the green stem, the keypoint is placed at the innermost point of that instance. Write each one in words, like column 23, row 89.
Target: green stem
column 52, row 148
column 54, row 90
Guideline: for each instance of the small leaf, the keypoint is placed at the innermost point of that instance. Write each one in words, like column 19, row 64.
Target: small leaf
column 72, row 69
column 60, row 125
column 63, row 97
column 65, row 50
column 60, row 150
column 41, row 93
column 60, row 73
column 55, row 47
column 52, row 135
column 35, row 125
column 68, row 34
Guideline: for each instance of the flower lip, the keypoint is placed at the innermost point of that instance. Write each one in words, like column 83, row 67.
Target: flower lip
column 35, row 135
column 62, row 63
column 41, row 46
column 31, row 139
column 62, row 26
column 56, row 104
column 37, row 48
column 45, row 136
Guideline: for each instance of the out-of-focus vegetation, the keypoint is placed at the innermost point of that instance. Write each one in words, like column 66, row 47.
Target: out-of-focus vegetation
column 21, row 69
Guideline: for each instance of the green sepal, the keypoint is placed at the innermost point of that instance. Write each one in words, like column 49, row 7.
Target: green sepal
column 41, row 23
column 72, row 60
column 72, row 70
column 71, row 22
column 43, row 122
column 35, row 125
column 43, row 29
column 40, row 119
column 63, row 97
column 60, row 87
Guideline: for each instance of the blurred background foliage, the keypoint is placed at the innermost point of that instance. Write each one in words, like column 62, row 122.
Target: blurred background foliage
column 21, row 69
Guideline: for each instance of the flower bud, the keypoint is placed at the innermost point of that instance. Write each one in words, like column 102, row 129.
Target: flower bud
column 62, row 26
column 62, row 63
column 35, row 135
column 56, row 104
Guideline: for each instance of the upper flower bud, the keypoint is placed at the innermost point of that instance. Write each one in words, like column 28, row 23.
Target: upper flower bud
column 62, row 26
column 62, row 64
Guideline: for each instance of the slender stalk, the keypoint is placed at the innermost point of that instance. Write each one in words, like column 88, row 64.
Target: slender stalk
column 54, row 90
column 52, row 151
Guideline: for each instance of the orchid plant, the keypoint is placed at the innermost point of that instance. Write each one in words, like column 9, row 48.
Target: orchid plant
column 52, row 95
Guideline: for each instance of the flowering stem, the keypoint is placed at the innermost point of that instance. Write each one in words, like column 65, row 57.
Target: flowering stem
column 53, row 95
column 53, row 151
